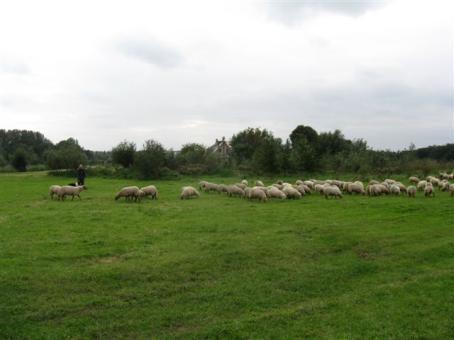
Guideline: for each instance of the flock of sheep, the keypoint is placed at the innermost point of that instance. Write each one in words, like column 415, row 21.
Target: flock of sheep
column 283, row 190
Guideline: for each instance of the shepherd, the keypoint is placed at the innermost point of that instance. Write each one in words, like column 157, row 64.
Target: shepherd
column 81, row 175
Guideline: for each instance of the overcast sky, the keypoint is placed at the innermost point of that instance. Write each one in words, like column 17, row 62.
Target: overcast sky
column 193, row 71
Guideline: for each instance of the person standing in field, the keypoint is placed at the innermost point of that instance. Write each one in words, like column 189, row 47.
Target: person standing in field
column 81, row 175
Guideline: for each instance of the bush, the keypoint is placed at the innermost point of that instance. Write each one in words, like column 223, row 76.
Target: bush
column 19, row 161
column 150, row 161
column 124, row 153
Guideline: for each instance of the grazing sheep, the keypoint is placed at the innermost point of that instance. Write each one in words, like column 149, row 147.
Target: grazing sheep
column 429, row 190
column 247, row 192
column 68, row 190
column 451, row 190
column 188, row 192
column 202, row 184
column 332, row 190
column 395, row 190
column 274, row 192
column 355, row 188
column 319, row 188
column 359, row 183
column 53, row 190
column 131, row 192
column 241, row 185
column 413, row 179
column 299, row 182
column 403, row 188
column 257, row 193
column 444, row 185
column 310, row 184
column 373, row 181
column 277, row 185
column 222, row 188
column 245, row 182
column 208, row 187
column 421, row 185
column 233, row 190
column 389, row 181
column 411, row 191
column 383, row 189
column 151, row 191
column 300, row 189
column 259, row 184
column 377, row 190
column 291, row 192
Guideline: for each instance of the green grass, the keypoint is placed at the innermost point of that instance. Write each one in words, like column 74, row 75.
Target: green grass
column 222, row 267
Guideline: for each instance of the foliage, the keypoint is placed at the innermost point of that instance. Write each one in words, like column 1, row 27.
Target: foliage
column 123, row 154
column 19, row 161
column 67, row 154
column 150, row 161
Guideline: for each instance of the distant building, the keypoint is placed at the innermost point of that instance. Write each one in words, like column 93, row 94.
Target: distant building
column 221, row 147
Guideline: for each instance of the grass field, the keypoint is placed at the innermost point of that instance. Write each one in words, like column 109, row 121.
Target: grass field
column 222, row 267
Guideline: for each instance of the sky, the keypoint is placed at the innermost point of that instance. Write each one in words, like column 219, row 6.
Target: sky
column 194, row 71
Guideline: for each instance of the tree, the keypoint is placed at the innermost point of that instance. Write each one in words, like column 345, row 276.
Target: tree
column 67, row 154
column 124, row 153
column 245, row 143
column 268, row 156
column 304, row 154
column 19, row 161
column 150, row 161
column 192, row 153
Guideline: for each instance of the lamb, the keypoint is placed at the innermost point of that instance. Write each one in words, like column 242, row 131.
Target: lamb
column 68, row 190
column 413, row 179
column 131, row 192
column 233, row 190
column 332, row 190
column 245, row 182
column 274, row 192
column 395, row 190
column 188, row 192
column 429, row 190
column 257, row 193
column 53, row 190
column 291, row 192
column 259, row 183
column 411, row 191
column 151, row 191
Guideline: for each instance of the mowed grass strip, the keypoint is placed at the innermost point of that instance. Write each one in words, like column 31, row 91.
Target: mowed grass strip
column 222, row 267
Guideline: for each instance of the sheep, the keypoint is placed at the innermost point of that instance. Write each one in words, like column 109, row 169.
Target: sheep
column 435, row 181
column 222, row 188
column 245, row 182
column 131, row 192
column 389, row 181
column 151, row 191
column 373, row 181
column 413, row 179
column 421, row 185
column 274, row 192
column 332, row 190
column 210, row 187
column 395, row 190
column 259, row 183
column 300, row 189
column 444, row 185
column 291, row 192
column 53, row 190
column 310, row 184
column 377, row 190
column 233, row 190
column 202, row 184
column 261, row 188
column 188, row 192
column 299, row 182
column 319, row 188
column 451, row 190
column 277, row 185
column 257, row 193
column 306, row 188
column 429, row 190
column 383, row 189
column 403, row 188
column 337, row 183
column 68, row 190
column 241, row 185
column 247, row 192
column 355, row 188
column 411, row 191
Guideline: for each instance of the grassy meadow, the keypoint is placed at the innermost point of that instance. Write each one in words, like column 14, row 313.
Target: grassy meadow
column 219, row 267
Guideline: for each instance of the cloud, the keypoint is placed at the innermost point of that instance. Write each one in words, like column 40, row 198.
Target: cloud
column 13, row 67
column 293, row 12
column 150, row 51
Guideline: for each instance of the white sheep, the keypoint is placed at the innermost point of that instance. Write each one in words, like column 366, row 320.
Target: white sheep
column 332, row 190
column 395, row 190
column 257, row 193
column 130, row 192
column 355, row 188
column 151, row 191
column 245, row 182
column 421, row 185
column 53, row 190
column 274, row 192
column 451, row 190
column 259, row 183
column 291, row 192
column 413, row 179
column 188, row 192
column 411, row 191
column 233, row 190
column 429, row 190
column 68, row 190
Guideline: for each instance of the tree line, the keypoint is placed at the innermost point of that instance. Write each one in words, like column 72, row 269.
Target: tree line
column 252, row 150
